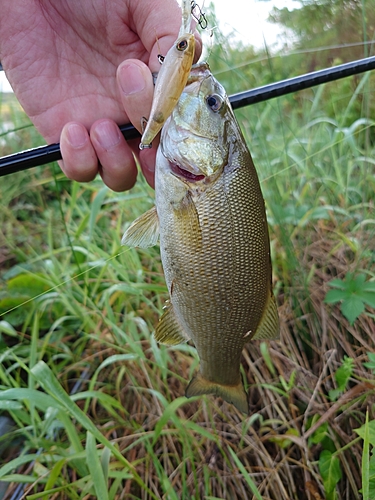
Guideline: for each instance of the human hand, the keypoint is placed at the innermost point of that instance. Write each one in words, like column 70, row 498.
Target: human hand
column 61, row 59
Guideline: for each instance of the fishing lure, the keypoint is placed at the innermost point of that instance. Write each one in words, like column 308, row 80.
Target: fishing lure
column 172, row 78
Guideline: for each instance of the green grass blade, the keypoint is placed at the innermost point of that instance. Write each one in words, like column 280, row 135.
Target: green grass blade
column 246, row 475
column 40, row 400
column 54, row 474
column 47, row 379
column 95, row 468
column 17, row 462
column 366, row 462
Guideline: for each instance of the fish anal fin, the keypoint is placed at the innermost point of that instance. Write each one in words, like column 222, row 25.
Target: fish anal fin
column 168, row 330
column 269, row 325
column 144, row 231
column 234, row 394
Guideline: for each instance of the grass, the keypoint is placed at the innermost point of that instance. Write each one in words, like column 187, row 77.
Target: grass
column 92, row 407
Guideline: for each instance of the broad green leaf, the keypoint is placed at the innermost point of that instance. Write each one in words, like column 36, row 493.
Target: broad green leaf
column 336, row 283
column 359, row 280
column 319, row 434
column 368, row 298
column 333, row 296
column 371, row 432
column 330, row 470
column 29, row 284
column 354, row 292
column 369, row 286
column 352, row 308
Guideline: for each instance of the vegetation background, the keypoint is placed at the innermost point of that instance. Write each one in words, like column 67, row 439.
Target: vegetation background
column 92, row 407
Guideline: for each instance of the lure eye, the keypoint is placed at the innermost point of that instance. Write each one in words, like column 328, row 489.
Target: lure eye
column 182, row 45
column 215, row 102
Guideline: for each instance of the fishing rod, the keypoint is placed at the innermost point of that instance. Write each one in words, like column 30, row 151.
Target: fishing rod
column 47, row 154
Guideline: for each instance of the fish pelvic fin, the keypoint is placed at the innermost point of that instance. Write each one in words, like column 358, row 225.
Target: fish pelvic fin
column 169, row 331
column 269, row 325
column 144, row 231
column 234, row 394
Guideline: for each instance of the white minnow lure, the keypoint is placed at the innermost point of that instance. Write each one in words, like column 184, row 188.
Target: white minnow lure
column 172, row 77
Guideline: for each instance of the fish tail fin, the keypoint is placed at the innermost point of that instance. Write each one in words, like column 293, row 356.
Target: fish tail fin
column 234, row 394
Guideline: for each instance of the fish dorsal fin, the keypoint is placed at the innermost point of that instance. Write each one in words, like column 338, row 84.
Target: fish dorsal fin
column 168, row 330
column 269, row 325
column 144, row 231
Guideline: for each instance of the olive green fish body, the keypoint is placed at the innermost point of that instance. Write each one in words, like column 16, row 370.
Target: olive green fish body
column 213, row 238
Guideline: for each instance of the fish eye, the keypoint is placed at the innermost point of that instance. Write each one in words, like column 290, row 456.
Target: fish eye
column 215, row 102
column 182, row 45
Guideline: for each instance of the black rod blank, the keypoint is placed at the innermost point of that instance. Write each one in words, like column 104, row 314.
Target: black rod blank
column 47, row 154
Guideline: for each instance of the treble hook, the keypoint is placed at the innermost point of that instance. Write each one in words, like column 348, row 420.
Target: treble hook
column 201, row 18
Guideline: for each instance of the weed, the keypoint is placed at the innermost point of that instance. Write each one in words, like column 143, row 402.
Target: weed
column 95, row 406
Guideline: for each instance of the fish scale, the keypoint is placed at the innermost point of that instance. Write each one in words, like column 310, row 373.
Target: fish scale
column 214, row 239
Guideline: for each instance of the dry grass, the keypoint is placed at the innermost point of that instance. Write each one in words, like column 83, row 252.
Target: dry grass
column 188, row 446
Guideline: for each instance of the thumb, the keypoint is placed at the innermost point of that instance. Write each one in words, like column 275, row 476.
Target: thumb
column 136, row 90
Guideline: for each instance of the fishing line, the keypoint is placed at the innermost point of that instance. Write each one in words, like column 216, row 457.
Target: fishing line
column 283, row 56
column 325, row 148
column 28, row 301
column 47, row 154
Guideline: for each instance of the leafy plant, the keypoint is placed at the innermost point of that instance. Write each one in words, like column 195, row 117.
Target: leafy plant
column 97, row 407
column 371, row 363
column 342, row 376
column 354, row 293
column 329, row 467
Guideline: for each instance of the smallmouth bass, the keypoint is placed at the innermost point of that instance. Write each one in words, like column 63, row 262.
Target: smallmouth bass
column 214, row 243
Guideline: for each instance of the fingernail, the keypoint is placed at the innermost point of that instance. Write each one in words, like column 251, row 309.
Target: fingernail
column 131, row 79
column 76, row 135
column 108, row 135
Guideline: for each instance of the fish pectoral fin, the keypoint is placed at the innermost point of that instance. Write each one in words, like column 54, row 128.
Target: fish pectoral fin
column 144, row 231
column 168, row 330
column 234, row 394
column 269, row 325
column 188, row 217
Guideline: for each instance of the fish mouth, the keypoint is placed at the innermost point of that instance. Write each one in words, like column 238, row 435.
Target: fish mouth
column 185, row 174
